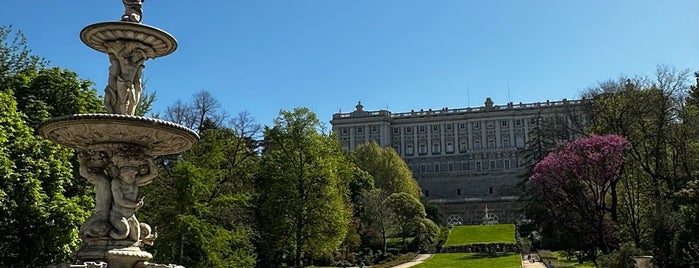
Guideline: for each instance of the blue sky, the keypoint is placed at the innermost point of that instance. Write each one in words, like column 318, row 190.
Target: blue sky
column 262, row 56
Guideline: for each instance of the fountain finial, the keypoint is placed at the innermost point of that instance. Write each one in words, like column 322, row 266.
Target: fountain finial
column 133, row 10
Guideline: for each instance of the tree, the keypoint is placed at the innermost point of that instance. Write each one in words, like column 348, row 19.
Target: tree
column 408, row 213
column 15, row 56
column 390, row 172
column 658, row 121
column 38, row 223
column 575, row 185
column 375, row 215
column 202, row 112
column 301, row 192
column 46, row 93
column 204, row 200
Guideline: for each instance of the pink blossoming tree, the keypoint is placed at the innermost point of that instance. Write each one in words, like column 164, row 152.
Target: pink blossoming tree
column 576, row 189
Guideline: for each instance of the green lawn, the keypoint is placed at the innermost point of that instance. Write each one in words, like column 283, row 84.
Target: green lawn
column 471, row 260
column 561, row 261
column 470, row 234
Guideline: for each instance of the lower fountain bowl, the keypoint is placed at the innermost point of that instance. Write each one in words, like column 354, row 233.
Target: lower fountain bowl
column 84, row 131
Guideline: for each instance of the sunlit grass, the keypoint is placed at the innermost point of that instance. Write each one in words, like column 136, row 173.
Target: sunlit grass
column 470, row 234
column 472, row 260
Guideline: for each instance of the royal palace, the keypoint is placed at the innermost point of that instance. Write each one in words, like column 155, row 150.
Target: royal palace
column 467, row 161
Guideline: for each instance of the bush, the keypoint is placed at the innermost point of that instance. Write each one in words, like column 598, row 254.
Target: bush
column 621, row 258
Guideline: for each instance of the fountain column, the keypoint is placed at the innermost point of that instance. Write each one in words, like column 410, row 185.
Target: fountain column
column 116, row 150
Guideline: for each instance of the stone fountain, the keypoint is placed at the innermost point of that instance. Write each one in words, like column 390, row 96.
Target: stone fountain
column 116, row 150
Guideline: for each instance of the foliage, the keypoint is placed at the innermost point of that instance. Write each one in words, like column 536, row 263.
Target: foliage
column 302, row 190
column 471, row 260
column 202, row 202
column 427, row 236
column 390, row 172
column 145, row 103
column 469, row 234
column 15, row 56
column 661, row 125
column 575, row 185
column 38, row 223
column 621, row 258
column 407, row 211
column 46, row 93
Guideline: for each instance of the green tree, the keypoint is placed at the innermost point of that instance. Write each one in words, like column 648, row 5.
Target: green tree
column 202, row 201
column 376, row 217
column 38, row 223
column 15, row 55
column 302, row 212
column 408, row 213
column 390, row 172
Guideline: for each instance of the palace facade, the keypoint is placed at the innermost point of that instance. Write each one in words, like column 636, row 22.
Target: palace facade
column 467, row 160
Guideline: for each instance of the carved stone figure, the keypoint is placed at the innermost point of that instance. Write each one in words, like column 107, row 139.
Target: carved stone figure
column 131, row 169
column 124, row 84
column 133, row 10
column 93, row 168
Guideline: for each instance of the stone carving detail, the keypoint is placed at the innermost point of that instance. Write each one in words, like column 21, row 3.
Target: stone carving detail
column 124, row 84
column 82, row 131
column 133, row 10
column 117, row 170
column 117, row 150
column 84, row 265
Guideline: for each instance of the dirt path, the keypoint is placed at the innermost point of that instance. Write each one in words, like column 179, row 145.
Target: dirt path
column 419, row 259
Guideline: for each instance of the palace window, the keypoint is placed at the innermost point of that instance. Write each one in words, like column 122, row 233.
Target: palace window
column 450, row 167
column 463, row 144
column 478, row 165
column 360, row 130
column 408, row 130
column 344, row 130
column 492, row 164
column 422, row 147
column 374, row 129
column 449, row 127
column 491, row 142
column 458, row 191
column 476, row 125
column 436, row 148
column 409, row 149
column 435, row 128
column 436, row 167
column 506, row 164
column 518, row 122
column 396, row 130
column 421, row 129
column 462, row 126
column 503, row 123
column 505, row 142
column 450, row 147
column 477, row 144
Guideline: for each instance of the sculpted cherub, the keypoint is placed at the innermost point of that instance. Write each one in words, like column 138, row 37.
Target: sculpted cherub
column 131, row 175
column 93, row 168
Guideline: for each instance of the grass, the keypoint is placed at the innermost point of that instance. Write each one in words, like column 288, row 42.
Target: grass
column 562, row 262
column 471, row 260
column 470, row 234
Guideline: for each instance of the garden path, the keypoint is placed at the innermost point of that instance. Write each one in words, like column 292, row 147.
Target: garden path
column 419, row 259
